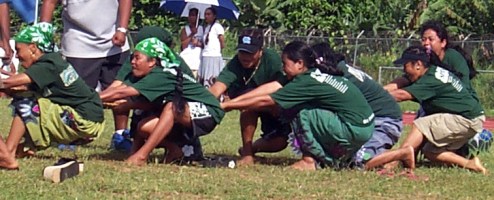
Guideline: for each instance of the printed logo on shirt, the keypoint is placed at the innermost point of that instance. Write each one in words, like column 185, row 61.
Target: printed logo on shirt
column 360, row 75
column 329, row 79
column 174, row 72
column 198, row 110
column 69, row 76
column 444, row 76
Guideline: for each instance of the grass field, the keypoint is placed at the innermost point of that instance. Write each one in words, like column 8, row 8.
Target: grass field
column 107, row 177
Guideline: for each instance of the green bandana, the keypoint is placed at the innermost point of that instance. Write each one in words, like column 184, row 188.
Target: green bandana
column 155, row 48
column 40, row 34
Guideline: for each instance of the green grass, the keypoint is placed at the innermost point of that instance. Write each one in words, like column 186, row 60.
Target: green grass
column 107, row 177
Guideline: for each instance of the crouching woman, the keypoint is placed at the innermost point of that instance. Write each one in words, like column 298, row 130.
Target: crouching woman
column 57, row 106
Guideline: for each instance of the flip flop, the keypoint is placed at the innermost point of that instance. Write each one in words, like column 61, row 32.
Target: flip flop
column 9, row 169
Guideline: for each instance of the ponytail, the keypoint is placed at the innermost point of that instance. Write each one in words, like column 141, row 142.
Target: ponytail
column 472, row 71
column 178, row 99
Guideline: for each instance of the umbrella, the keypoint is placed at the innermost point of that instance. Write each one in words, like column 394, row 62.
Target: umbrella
column 225, row 9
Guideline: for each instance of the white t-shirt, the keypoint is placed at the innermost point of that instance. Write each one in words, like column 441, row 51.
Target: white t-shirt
column 213, row 48
column 192, row 54
column 88, row 28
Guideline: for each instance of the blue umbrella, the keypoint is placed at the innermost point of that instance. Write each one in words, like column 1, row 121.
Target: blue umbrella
column 225, row 9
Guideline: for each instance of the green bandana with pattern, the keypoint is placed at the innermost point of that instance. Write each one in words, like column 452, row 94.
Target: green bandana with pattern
column 40, row 34
column 155, row 48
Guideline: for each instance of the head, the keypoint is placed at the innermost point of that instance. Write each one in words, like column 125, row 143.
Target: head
column 210, row 15
column 249, row 49
column 193, row 15
column 326, row 57
column 434, row 36
column 297, row 57
column 149, row 53
column 415, row 61
column 157, row 32
column 32, row 42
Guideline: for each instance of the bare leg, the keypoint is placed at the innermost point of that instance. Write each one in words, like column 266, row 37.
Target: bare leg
column 17, row 130
column 390, row 159
column 404, row 154
column 157, row 130
column 121, row 118
column 307, row 163
column 272, row 145
column 7, row 160
column 450, row 158
column 248, row 125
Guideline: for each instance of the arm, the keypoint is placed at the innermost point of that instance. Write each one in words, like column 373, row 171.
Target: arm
column 264, row 89
column 398, row 83
column 5, row 30
column 252, row 103
column 401, row 95
column 222, row 41
column 124, row 10
column 217, row 89
column 47, row 10
column 118, row 93
column 184, row 39
column 16, row 80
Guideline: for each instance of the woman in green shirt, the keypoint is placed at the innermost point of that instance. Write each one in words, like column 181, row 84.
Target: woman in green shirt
column 329, row 116
column 58, row 106
column 187, row 110
column 454, row 115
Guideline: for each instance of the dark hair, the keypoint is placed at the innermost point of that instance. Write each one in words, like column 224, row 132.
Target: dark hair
column 194, row 10
column 178, row 99
column 326, row 56
column 429, row 58
column 442, row 33
column 298, row 50
column 207, row 35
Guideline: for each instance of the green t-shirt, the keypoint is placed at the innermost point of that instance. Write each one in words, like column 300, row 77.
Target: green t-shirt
column 454, row 59
column 314, row 89
column 159, row 86
column 238, row 79
column 55, row 79
column 381, row 102
column 440, row 91
column 127, row 68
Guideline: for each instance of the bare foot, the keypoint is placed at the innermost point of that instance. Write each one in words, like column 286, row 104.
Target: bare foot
column 136, row 160
column 245, row 160
column 391, row 165
column 409, row 157
column 475, row 165
column 171, row 157
column 305, row 164
column 409, row 173
column 8, row 163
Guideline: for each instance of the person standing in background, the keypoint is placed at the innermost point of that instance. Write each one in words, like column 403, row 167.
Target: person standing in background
column 94, row 36
column 191, row 41
column 213, row 42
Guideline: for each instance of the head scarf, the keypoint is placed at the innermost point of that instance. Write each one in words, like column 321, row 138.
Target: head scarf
column 40, row 34
column 155, row 48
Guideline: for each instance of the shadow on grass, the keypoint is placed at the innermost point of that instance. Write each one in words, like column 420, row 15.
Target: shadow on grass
column 263, row 160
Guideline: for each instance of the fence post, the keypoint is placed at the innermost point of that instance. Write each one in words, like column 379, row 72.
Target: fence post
column 463, row 41
column 356, row 47
column 379, row 75
column 410, row 37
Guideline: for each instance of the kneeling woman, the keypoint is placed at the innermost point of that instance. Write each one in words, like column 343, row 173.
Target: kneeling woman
column 61, row 108
column 187, row 109
column 454, row 115
column 329, row 116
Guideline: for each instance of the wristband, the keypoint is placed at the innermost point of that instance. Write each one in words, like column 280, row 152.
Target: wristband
column 122, row 29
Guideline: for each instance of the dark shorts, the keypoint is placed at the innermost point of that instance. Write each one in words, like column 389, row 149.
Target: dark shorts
column 103, row 70
column 187, row 139
column 273, row 127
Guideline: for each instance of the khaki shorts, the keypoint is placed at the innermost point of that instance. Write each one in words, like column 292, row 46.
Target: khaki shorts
column 47, row 122
column 446, row 131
